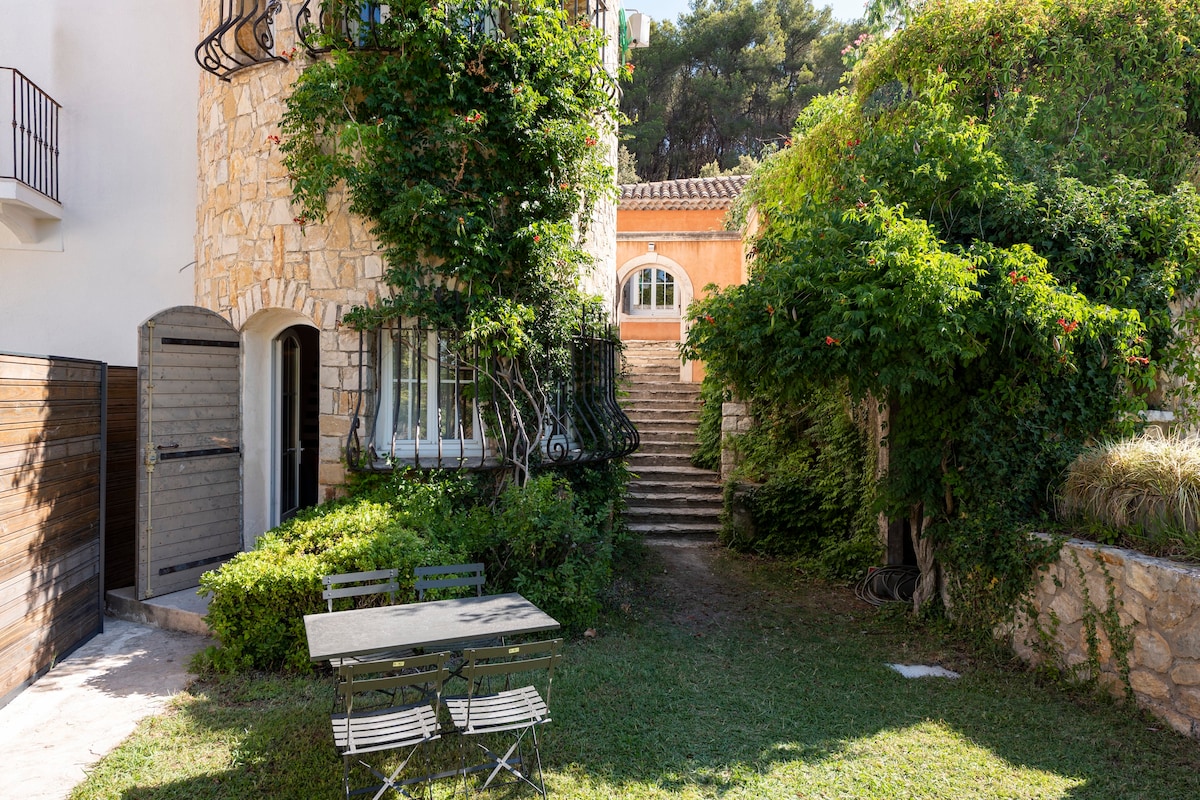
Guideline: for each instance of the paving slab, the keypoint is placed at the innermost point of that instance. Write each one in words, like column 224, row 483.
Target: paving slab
column 54, row 731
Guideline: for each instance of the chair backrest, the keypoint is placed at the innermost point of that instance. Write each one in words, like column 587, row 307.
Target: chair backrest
column 453, row 576
column 359, row 584
column 421, row 675
column 507, row 660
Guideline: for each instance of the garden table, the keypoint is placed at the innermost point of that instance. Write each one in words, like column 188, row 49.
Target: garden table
column 433, row 624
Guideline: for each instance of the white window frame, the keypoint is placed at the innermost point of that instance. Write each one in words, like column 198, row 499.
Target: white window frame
column 429, row 442
column 634, row 287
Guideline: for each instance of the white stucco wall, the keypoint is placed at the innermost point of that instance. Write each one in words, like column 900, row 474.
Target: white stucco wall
column 124, row 73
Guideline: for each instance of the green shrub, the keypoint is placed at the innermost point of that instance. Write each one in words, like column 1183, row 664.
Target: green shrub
column 814, row 491
column 708, row 432
column 551, row 540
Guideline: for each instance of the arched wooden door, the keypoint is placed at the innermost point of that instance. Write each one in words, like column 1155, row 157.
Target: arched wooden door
column 189, row 438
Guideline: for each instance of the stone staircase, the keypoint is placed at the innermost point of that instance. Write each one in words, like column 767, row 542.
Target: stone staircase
column 667, row 495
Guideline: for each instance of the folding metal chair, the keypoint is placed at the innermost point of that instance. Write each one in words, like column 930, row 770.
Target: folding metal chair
column 407, row 723
column 453, row 576
column 361, row 584
column 512, row 713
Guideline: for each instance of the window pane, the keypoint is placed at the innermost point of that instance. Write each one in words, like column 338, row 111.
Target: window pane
column 664, row 295
column 407, row 386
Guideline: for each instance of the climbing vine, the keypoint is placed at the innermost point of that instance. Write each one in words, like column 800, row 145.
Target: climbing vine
column 473, row 138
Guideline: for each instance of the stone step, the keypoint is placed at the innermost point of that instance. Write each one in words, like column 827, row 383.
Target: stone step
column 644, row 488
column 639, row 504
column 662, row 472
column 660, row 434
column 657, row 447
column 677, row 417
column 656, row 528
column 676, row 389
column 663, row 408
column 639, row 460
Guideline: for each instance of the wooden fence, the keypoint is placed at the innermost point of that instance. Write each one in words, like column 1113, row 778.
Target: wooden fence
column 52, row 511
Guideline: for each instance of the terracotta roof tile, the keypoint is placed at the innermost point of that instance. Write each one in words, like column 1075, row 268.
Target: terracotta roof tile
column 689, row 193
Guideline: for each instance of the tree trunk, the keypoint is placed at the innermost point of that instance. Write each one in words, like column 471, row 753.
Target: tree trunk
column 929, row 584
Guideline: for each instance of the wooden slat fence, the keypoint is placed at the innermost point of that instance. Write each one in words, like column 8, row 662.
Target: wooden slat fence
column 52, row 486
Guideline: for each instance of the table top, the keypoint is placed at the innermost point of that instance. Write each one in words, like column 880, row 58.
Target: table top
column 435, row 623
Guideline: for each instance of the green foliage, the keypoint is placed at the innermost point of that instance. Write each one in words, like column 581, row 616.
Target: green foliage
column 932, row 249
column 708, row 431
column 1117, row 81
column 726, row 79
column 470, row 156
column 814, row 477
column 549, row 541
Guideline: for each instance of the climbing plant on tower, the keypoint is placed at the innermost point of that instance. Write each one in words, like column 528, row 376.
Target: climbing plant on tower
column 474, row 138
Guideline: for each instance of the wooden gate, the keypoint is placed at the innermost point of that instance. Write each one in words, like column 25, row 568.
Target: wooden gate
column 189, row 437
column 51, row 512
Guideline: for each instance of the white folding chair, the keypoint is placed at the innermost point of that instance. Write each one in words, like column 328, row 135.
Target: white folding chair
column 452, row 576
column 512, row 714
column 407, row 723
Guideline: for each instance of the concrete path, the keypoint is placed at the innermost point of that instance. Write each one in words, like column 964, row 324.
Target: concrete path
column 54, row 731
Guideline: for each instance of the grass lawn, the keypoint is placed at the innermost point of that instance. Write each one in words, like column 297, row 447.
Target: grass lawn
column 712, row 676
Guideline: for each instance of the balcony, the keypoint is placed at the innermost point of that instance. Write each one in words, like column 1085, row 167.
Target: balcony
column 29, row 206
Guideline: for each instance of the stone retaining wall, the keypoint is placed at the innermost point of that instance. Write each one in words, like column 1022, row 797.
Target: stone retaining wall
column 1119, row 610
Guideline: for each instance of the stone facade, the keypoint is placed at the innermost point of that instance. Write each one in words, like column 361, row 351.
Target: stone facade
column 735, row 421
column 1154, row 634
column 260, row 268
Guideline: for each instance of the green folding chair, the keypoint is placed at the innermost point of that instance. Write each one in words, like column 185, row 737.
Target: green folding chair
column 367, row 729
column 511, row 715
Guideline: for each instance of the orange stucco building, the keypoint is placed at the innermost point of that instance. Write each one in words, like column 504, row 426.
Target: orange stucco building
column 671, row 244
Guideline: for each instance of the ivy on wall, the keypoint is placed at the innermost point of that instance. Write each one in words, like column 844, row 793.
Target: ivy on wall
column 474, row 139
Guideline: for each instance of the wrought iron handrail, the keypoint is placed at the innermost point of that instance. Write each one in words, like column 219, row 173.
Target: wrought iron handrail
column 31, row 155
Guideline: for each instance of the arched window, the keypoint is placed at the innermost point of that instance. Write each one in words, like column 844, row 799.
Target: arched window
column 652, row 292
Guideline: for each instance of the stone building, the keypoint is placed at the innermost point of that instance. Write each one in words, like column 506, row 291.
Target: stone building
column 251, row 388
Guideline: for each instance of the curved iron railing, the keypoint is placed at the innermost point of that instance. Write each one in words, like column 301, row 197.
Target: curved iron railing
column 244, row 37
column 431, row 406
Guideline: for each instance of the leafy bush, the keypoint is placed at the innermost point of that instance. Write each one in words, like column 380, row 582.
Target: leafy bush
column 815, row 485
column 549, row 541
column 1143, row 492
column 708, row 432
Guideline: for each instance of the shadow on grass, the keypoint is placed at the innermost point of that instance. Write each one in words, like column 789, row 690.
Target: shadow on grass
column 791, row 696
column 730, row 681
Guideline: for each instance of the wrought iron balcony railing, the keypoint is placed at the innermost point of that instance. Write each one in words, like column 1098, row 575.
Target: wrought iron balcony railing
column 244, row 37
column 430, row 406
column 29, row 145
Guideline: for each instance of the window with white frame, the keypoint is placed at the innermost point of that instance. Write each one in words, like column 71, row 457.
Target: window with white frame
column 652, row 291
column 426, row 403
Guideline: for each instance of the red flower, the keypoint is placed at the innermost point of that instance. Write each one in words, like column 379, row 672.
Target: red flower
column 274, row 139
column 590, row 141
column 301, row 220
column 829, row 340
column 1015, row 278
column 537, row 237
column 1068, row 327
column 708, row 318
column 770, row 308
column 629, row 68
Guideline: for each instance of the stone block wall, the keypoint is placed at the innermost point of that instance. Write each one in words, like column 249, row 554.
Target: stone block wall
column 1152, row 634
column 735, row 420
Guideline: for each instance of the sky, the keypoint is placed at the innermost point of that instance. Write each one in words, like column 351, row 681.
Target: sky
column 659, row 10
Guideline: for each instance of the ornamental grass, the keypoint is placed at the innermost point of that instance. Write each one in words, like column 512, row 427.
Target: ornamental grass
column 1142, row 492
